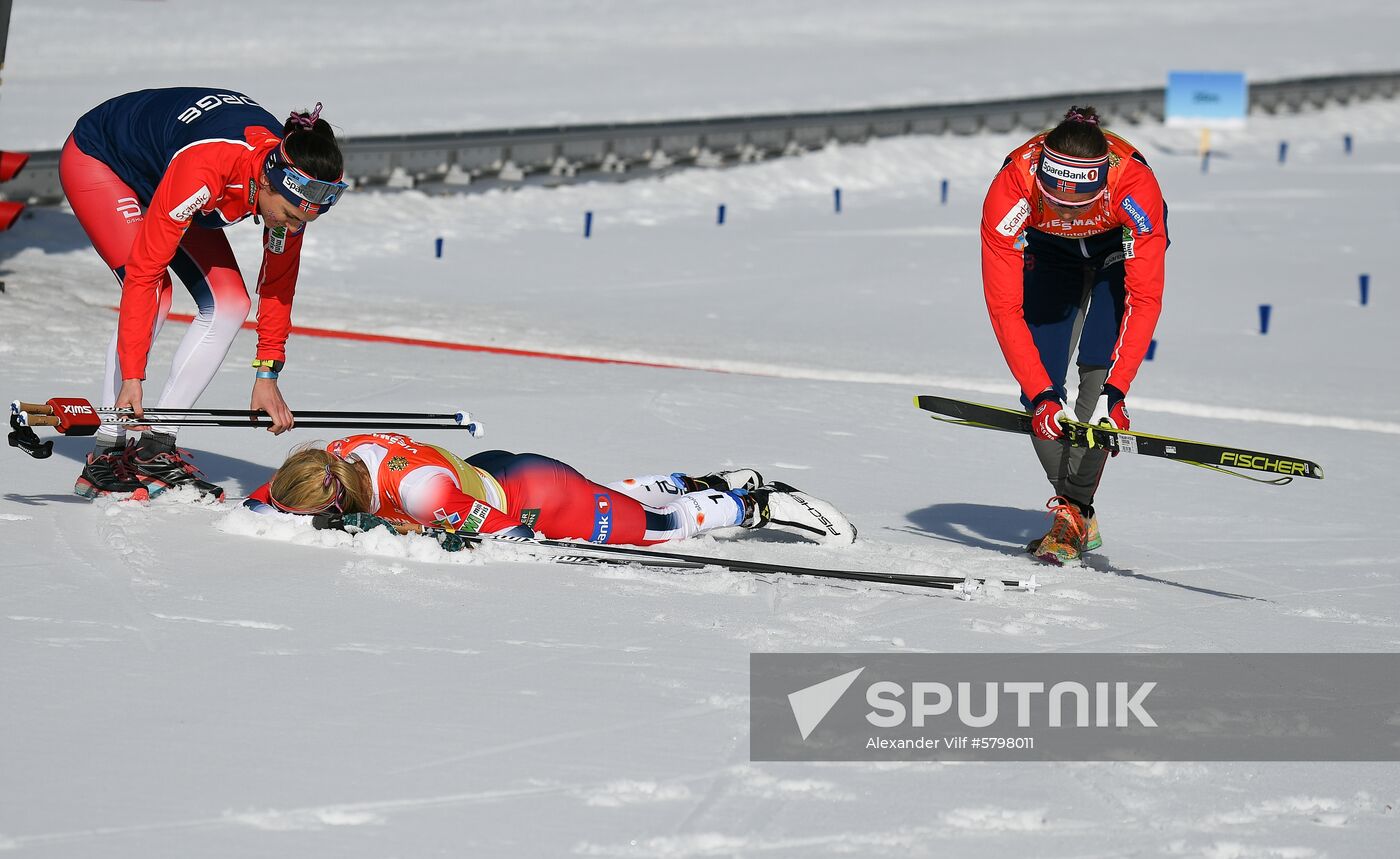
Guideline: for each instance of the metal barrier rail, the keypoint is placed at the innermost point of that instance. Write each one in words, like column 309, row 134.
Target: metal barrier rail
column 446, row 162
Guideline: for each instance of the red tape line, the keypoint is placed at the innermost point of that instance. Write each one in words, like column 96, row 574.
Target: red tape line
column 363, row 337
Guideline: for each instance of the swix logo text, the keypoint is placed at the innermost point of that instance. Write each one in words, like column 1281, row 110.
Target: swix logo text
column 77, row 410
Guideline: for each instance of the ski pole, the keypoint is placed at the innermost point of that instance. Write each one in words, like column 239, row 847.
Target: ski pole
column 48, row 409
column 76, row 416
column 577, row 552
column 914, row 579
column 258, row 421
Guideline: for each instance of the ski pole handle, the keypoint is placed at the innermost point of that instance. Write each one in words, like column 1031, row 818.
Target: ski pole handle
column 69, row 415
column 18, row 407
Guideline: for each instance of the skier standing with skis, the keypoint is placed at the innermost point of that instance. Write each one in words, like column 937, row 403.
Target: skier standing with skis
column 409, row 482
column 153, row 178
column 1074, row 234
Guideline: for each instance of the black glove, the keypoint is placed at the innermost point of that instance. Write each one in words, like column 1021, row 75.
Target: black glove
column 451, row 541
column 331, row 520
column 358, row 523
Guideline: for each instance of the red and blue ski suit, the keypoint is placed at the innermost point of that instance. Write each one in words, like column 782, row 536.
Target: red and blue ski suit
column 153, row 177
column 495, row 492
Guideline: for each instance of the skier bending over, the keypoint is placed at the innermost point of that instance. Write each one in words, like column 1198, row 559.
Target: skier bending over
column 1074, row 234
column 154, row 177
column 408, row 482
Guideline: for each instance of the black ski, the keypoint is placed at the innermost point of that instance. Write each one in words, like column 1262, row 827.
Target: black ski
column 605, row 553
column 1217, row 457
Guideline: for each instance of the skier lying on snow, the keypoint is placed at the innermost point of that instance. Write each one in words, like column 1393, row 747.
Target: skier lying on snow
column 408, row 482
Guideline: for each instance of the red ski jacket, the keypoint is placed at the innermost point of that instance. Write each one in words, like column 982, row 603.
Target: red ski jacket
column 192, row 155
column 1132, row 205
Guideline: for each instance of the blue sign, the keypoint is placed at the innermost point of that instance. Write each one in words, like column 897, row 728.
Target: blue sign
column 1207, row 99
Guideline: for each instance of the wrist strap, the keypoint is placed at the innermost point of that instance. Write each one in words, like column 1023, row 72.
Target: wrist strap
column 267, row 374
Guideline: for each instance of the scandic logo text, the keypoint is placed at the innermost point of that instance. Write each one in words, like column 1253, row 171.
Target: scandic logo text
column 1013, row 220
column 184, row 211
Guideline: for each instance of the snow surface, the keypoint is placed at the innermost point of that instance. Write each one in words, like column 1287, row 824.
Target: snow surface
column 183, row 679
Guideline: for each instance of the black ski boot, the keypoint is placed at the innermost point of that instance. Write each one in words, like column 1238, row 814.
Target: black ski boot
column 108, row 471
column 162, row 466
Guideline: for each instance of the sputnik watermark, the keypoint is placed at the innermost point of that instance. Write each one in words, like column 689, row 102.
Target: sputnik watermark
column 1075, row 707
column 1122, row 701
column 1125, row 700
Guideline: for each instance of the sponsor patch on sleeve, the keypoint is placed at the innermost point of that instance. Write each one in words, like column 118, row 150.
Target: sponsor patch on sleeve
column 277, row 240
column 184, row 211
column 1011, row 224
column 602, row 518
column 1138, row 216
column 476, row 518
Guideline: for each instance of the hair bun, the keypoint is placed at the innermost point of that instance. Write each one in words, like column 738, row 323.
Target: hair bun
column 306, row 120
column 1086, row 115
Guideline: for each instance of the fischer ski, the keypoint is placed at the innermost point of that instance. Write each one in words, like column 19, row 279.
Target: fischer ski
column 1216, row 457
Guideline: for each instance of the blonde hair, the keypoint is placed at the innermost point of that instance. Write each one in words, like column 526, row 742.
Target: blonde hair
column 311, row 478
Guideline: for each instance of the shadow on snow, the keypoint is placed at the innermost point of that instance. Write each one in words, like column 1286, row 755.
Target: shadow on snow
column 1008, row 529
